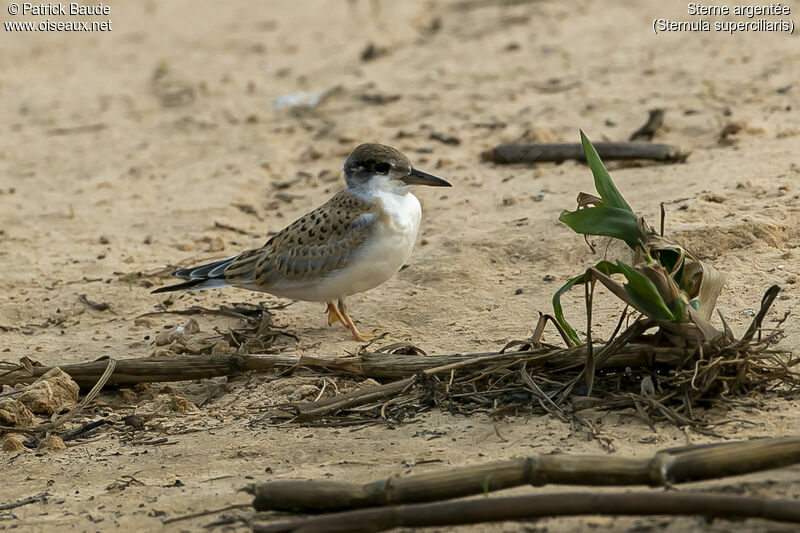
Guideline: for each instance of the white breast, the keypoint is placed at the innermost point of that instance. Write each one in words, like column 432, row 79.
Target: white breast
column 389, row 247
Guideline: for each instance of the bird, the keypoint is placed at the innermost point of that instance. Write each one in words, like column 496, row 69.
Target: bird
column 352, row 243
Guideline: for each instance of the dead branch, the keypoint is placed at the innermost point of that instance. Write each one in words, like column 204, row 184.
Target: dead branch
column 667, row 467
column 543, row 505
column 654, row 121
column 19, row 503
column 205, row 513
column 505, row 154
column 370, row 365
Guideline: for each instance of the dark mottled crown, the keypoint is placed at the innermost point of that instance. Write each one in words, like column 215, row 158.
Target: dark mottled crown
column 365, row 154
column 368, row 160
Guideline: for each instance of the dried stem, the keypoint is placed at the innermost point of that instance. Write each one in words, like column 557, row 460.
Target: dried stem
column 540, row 506
column 667, row 467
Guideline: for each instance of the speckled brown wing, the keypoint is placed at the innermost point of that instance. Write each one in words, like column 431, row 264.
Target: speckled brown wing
column 310, row 248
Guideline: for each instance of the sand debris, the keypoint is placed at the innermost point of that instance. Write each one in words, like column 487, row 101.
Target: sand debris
column 51, row 393
column 179, row 334
column 51, row 443
column 165, row 404
column 12, row 444
column 14, row 413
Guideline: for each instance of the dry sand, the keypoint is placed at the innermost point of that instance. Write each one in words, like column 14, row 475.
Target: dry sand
column 99, row 179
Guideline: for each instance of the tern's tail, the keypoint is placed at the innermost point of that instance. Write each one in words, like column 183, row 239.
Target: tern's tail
column 208, row 276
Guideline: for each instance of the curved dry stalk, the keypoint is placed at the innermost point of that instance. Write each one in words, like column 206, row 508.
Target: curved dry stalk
column 540, row 506
column 665, row 468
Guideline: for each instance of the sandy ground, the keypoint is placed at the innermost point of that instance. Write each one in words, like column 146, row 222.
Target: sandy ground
column 105, row 174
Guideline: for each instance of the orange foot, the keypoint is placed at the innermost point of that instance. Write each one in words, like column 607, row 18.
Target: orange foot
column 339, row 314
column 334, row 315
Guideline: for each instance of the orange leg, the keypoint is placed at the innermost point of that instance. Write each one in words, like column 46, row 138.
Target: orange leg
column 349, row 323
column 334, row 315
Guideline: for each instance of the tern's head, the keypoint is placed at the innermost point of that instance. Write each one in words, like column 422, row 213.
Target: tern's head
column 383, row 167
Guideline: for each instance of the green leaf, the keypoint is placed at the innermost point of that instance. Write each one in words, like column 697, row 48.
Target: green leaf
column 605, row 267
column 644, row 293
column 602, row 180
column 608, row 221
column 679, row 310
column 558, row 311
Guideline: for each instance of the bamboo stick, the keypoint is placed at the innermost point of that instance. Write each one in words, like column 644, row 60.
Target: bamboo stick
column 681, row 465
column 534, row 506
column 558, row 152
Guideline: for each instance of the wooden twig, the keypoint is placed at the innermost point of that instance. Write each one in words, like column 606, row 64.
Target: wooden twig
column 19, row 503
column 372, row 365
column 205, row 513
column 85, row 429
column 766, row 303
column 326, row 406
column 540, row 506
column 140, row 370
column 667, row 467
column 589, row 368
column 88, row 128
column 654, row 121
column 557, row 152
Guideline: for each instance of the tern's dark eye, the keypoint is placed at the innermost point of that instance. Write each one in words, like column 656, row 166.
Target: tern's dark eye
column 381, row 168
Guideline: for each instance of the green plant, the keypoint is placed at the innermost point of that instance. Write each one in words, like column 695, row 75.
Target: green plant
column 667, row 283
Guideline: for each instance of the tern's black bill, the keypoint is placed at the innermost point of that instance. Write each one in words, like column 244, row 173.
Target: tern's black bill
column 417, row 177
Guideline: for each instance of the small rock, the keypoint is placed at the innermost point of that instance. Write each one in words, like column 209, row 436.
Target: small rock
column 179, row 404
column 216, row 244
column 732, row 128
column 518, row 292
column 13, row 444
column 178, row 334
column 371, row 51
column 223, row 348
column 185, row 246
column 145, row 321
column 52, row 444
column 549, row 277
column 134, row 421
column 304, row 391
column 165, row 404
column 51, row 393
column 191, row 327
column 445, row 139
column 128, row 396
column 14, row 413
column 712, row 198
